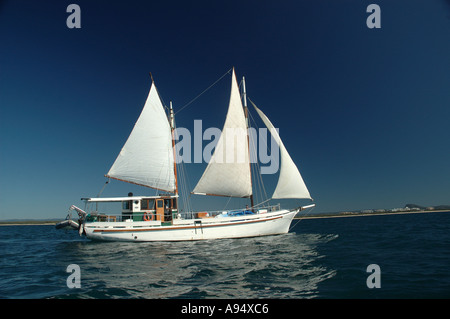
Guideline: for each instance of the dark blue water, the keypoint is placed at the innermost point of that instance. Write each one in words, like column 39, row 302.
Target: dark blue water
column 320, row 258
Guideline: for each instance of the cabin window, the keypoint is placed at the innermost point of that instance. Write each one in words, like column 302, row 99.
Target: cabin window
column 160, row 203
column 147, row 204
column 126, row 205
column 174, row 203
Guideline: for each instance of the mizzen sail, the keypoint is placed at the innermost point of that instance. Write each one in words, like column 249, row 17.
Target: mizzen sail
column 228, row 171
column 147, row 157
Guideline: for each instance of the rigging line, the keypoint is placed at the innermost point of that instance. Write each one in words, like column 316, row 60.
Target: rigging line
column 226, row 205
column 262, row 202
column 183, row 181
column 258, row 166
column 301, row 218
column 185, row 188
column 195, row 98
column 259, row 191
column 103, row 188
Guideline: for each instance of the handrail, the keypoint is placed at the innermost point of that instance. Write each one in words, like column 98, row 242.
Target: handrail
column 97, row 216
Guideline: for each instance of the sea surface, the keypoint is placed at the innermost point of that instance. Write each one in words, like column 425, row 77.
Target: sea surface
column 319, row 258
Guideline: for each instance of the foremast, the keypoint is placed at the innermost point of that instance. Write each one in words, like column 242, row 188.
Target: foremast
column 244, row 96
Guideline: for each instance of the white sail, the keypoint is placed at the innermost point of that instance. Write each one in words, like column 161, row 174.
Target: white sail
column 147, row 157
column 290, row 182
column 228, row 171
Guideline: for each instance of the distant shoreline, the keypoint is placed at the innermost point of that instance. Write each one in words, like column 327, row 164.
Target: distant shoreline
column 370, row 214
column 28, row 223
column 315, row 216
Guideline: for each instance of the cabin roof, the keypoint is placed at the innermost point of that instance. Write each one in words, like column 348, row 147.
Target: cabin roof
column 125, row 198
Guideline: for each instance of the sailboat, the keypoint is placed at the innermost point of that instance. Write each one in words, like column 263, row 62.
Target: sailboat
column 157, row 218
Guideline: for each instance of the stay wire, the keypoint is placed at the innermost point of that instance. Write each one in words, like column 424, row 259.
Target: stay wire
column 204, row 91
column 301, row 218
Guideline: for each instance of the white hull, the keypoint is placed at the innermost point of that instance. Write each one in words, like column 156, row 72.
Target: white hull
column 272, row 223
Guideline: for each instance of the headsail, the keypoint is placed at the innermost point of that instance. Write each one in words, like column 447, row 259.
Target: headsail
column 228, row 171
column 147, row 157
column 290, row 182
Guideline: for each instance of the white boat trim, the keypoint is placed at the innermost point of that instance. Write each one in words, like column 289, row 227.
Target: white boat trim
column 177, row 227
column 193, row 229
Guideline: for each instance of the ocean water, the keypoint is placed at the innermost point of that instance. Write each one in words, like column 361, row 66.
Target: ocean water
column 319, row 258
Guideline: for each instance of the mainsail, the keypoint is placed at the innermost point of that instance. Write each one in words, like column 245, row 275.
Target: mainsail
column 147, row 157
column 228, row 171
column 290, row 182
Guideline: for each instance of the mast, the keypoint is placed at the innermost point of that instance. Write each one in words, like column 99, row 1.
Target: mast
column 172, row 128
column 244, row 95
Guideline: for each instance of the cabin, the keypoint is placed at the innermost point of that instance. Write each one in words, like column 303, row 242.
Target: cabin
column 162, row 208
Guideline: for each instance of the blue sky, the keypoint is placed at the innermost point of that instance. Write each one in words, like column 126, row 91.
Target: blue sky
column 363, row 112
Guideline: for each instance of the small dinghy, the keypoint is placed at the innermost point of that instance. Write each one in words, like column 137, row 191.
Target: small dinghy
column 67, row 224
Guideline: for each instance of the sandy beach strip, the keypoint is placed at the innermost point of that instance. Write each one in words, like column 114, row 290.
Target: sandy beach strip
column 368, row 214
column 27, row 223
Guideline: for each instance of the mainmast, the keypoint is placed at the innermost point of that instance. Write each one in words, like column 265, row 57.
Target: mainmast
column 244, row 96
column 172, row 128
